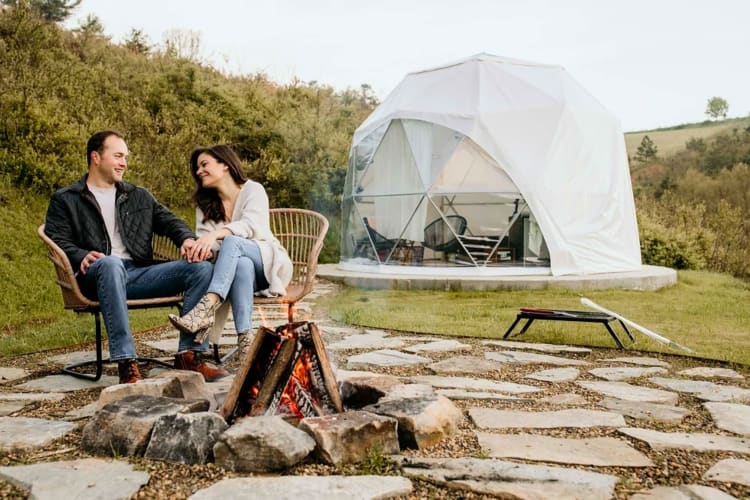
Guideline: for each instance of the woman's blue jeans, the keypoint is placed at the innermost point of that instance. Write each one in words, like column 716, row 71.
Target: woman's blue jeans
column 238, row 274
column 112, row 281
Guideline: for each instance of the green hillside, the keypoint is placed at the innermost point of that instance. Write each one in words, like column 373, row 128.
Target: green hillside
column 671, row 140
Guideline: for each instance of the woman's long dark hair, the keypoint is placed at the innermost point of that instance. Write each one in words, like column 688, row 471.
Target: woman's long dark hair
column 207, row 199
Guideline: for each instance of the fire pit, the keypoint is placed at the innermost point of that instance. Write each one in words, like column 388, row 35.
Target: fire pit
column 286, row 372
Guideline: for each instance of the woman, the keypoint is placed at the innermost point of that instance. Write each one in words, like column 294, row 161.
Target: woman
column 232, row 221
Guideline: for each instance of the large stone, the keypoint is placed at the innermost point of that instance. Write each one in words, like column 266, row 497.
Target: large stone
column 646, row 411
column 591, row 451
column 708, row 372
column 185, row 438
column 193, row 385
column 683, row 492
column 66, row 383
column 555, row 375
column 123, row 427
column 24, row 433
column 350, row 437
column 730, row 470
column 687, row 440
column 730, row 417
column 384, row 357
column 464, row 364
column 88, row 478
column 535, row 346
column 438, row 346
column 474, row 384
column 616, row 373
column 423, row 421
column 530, row 358
column 360, row 389
column 707, row 391
column 154, row 387
column 261, row 444
column 308, row 488
column 642, row 360
column 490, row 418
column 511, row 480
column 629, row 392
column 373, row 339
column 11, row 374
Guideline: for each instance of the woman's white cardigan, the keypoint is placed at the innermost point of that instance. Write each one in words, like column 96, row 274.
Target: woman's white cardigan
column 251, row 220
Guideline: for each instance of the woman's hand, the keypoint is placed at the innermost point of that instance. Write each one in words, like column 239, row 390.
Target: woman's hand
column 201, row 249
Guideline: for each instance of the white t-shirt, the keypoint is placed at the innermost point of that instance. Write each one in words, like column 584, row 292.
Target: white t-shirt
column 105, row 197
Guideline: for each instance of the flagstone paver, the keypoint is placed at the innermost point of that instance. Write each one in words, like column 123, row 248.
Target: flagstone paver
column 307, row 488
column 709, row 372
column 476, row 384
column 70, row 358
column 641, row 360
column 555, row 375
column 371, row 339
column 23, row 432
column 567, row 398
column 730, row 470
column 707, row 391
column 592, row 451
column 31, row 396
column 10, row 407
column 460, row 394
column 82, row 412
column 535, row 346
column 490, row 418
column 528, row 358
column 688, row 440
column 438, row 346
column 88, row 478
column 730, row 417
column 11, row 374
column 684, row 492
column 617, row 373
column 630, row 392
column 384, row 357
column 464, row 364
column 66, row 383
column 510, row 479
column 646, row 411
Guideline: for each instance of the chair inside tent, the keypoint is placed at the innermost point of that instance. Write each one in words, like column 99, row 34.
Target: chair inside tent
column 438, row 199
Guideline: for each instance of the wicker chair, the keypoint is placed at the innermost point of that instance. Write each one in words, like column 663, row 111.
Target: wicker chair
column 301, row 232
column 74, row 299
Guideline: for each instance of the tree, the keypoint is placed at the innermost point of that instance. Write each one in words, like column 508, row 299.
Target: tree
column 50, row 10
column 137, row 41
column 717, row 107
column 646, row 150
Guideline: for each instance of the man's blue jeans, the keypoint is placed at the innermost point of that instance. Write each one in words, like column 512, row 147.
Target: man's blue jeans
column 238, row 274
column 115, row 280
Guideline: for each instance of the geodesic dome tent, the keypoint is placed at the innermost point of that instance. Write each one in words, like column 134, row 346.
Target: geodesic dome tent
column 490, row 163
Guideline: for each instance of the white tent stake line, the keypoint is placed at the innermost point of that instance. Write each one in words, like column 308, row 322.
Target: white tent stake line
column 644, row 330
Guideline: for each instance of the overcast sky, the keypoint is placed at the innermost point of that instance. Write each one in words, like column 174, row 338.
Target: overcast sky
column 653, row 63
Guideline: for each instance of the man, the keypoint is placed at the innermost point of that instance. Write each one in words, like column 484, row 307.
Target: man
column 104, row 226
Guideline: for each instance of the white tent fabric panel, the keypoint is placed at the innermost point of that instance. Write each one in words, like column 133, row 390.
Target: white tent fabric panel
column 469, row 170
column 561, row 148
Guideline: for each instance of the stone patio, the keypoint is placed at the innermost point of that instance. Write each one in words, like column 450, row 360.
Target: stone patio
column 572, row 423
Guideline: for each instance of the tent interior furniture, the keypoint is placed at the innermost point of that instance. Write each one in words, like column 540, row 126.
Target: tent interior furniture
column 531, row 314
column 74, row 299
column 301, row 232
column 442, row 234
column 384, row 247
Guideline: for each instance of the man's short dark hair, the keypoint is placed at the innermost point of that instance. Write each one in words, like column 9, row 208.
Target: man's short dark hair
column 96, row 142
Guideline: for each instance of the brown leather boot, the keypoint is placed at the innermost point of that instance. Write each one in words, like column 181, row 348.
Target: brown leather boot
column 128, row 371
column 191, row 360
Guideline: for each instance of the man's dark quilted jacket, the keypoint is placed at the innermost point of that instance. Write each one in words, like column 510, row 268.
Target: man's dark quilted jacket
column 74, row 221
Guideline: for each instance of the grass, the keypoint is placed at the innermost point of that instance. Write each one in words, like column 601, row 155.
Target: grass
column 670, row 141
column 706, row 312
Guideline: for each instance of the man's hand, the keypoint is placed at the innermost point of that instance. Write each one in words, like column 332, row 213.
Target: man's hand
column 195, row 251
column 90, row 258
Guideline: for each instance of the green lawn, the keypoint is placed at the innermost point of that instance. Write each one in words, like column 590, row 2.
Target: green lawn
column 706, row 312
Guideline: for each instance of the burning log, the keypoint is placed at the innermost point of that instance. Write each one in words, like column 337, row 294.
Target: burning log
column 286, row 372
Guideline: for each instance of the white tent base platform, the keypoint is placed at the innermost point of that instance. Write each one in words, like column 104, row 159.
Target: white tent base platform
column 507, row 278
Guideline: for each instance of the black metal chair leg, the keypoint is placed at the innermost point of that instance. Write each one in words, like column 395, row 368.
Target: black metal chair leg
column 99, row 362
column 614, row 336
column 525, row 327
column 518, row 318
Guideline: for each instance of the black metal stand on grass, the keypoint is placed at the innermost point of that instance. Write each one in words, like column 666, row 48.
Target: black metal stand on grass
column 531, row 314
